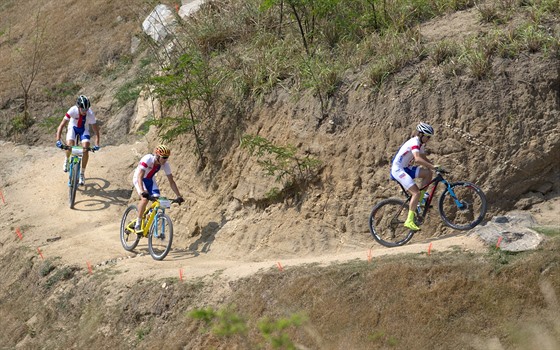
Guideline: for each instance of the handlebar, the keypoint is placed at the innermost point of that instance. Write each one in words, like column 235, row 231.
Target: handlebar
column 69, row 148
column 177, row 200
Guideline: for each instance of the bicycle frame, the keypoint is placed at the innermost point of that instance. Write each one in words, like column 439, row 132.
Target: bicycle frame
column 75, row 158
column 435, row 182
column 462, row 206
column 150, row 218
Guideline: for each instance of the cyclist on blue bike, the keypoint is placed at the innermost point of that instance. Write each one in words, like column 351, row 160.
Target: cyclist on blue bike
column 79, row 117
column 403, row 171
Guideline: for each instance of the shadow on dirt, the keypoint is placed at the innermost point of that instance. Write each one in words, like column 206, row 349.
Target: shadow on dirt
column 99, row 196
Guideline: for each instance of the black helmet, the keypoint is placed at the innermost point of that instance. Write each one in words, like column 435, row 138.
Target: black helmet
column 83, row 102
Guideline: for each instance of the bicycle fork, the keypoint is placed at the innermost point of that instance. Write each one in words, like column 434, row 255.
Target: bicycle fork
column 459, row 204
column 70, row 162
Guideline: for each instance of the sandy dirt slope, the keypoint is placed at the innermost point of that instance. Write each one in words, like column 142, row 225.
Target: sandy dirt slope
column 36, row 202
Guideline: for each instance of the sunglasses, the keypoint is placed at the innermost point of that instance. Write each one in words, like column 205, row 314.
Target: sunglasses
column 164, row 157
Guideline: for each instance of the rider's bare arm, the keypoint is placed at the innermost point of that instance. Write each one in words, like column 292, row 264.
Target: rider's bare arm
column 173, row 185
column 422, row 159
column 95, row 128
column 60, row 127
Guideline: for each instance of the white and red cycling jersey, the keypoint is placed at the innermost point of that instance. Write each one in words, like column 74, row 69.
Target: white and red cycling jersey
column 401, row 169
column 79, row 124
column 148, row 164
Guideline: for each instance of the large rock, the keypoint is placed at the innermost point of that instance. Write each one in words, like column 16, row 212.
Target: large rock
column 159, row 23
column 189, row 7
column 512, row 231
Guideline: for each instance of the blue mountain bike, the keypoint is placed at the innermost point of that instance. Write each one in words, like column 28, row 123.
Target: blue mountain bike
column 74, row 167
column 462, row 206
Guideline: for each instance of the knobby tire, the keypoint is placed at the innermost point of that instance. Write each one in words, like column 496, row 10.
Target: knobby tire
column 74, row 175
column 159, row 241
column 386, row 223
column 129, row 240
column 474, row 204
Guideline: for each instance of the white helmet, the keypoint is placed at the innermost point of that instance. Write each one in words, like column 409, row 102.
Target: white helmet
column 425, row 129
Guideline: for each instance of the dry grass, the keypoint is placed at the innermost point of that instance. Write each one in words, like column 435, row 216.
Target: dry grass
column 83, row 40
column 453, row 300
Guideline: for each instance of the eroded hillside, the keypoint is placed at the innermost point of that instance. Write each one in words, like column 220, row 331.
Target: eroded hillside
column 500, row 131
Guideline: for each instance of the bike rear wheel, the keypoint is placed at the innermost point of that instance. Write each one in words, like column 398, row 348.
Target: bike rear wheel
column 160, row 237
column 467, row 210
column 129, row 238
column 386, row 223
column 74, row 175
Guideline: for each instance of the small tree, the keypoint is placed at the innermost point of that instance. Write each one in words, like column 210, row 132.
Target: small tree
column 282, row 162
column 29, row 59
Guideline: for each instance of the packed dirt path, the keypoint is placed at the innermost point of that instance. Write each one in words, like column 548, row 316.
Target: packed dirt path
column 35, row 203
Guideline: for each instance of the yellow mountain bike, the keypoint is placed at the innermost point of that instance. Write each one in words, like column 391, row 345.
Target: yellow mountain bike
column 156, row 226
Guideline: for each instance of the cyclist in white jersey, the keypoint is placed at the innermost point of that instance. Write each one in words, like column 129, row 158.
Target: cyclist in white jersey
column 79, row 118
column 144, row 179
column 403, row 171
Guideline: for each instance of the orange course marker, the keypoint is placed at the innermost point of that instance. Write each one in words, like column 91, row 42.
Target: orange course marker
column 181, row 275
column 40, row 254
column 279, row 266
column 18, row 232
column 2, row 195
column 369, row 256
column 499, row 242
column 89, row 267
column 430, row 248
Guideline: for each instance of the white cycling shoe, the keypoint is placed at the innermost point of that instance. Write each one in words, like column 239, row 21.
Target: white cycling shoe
column 65, row 166
column 82, row 180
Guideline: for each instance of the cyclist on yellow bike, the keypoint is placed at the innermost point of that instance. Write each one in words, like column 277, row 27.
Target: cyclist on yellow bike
column 145, row 183
column 404, row 173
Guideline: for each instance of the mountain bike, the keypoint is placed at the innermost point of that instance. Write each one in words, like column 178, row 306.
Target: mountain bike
column 156, row 226
column 74, row 169
column 462, row 206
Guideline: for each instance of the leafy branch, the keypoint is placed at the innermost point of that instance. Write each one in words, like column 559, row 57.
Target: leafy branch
column 282, row 162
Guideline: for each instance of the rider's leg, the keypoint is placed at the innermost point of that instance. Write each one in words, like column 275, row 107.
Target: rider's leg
column 409, row 223
column 141, row 187
column 69, row 142
column 141, row 208
column 85, row 158
column 426, row 176
column 406, row 178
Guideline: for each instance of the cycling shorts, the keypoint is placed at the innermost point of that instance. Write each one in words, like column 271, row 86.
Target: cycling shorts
column 405, row 176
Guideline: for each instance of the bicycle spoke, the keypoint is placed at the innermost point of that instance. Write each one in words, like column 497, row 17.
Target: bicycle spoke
column 465, row 209
column 160, row 237
column 386, row 223
column 129, row 238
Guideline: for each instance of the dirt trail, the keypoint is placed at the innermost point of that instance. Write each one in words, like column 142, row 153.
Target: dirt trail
column 37, row 205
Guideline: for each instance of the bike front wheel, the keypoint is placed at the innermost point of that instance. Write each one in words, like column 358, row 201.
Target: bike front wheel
column 464, row 206
column 73, row 184
column 129, row 238
column 386, row 223
column 160, row 237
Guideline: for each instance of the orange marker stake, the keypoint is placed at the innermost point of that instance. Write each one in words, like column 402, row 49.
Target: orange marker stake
column 499, row 242
column 369, row 256
column 177, row 7
column 181, row 275
column 279, row 266
column 89, row 267
column 2, row 195
column 430, row 249
column 40, row 254
column 18, row 232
